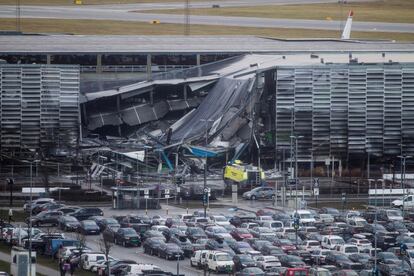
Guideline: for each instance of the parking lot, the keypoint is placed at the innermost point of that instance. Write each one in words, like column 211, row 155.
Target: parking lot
column 255, row 238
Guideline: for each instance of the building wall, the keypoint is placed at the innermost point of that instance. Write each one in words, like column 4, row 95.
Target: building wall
column 39, row 106
column 344, row 110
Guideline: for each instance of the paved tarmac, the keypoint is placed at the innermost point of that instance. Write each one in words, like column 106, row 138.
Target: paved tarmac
column 123, row 13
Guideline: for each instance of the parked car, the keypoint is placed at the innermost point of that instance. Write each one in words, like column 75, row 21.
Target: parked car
column 89, row 227
column 242, row 261
column 152, row 246
column 127, row 237
column 68, row 223
column 260, row 193
column 170, row 251
column 85, row 213
column 46, row 217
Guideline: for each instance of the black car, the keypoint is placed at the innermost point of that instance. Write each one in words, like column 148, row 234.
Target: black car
column 106, row 222
column 170, row 232
column 396, row 226
column 272, row 250
column 170, row 251
column 342, row 261
column 151, row 246
column 89, row 227
column 386, row 239
column 304, row 255
column 130, row 220
column 68, row 223
column 46, row 217
column 240, row 247
column 195, row 233
column 240, row 218
column 362, row 258
column 152, row 234
column 127, row 237
column 85, row 213
column 185, row 245
column 258, row 244
column 248, row 271
column 243, row 261
column 291, row 261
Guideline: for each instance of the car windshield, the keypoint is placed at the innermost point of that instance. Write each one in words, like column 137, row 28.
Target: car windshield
column 364, row 242
column 293, row 258
column 129, row 231
column 393, row 213
column 305, row 216
column 337, row 241
column 223, row 257
column 351, row 249
column 324, row 273
column 134, row 220
column 202, row 220
column 246, row 258
column 243, row 231
column 266, row 218
column 219, row 230
column 111, row 221
column 389, row 256
column 196, row 231
column 243, row 245
column 220, row 218
column 276, row 225
column 411, row 254
column 70, row 219
column 89, row 223
column 313, row 243
column 379, row 227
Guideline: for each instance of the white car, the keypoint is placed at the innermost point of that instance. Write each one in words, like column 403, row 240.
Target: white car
column 305, row 217
column 331, row 241
column 364, row 245
column 326, row 218
column 275, row 225
column 159, row 228
column 220, row 220
column 267, row 262
column 347, row 249
column 136, row 269
column 311, row 245
column 90, row 259
column 409, row 257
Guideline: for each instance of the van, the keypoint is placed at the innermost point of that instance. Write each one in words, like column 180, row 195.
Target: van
column 218, row 261
column 199, row 258
column 408, row 202
column 330, row 241
column 90, row 259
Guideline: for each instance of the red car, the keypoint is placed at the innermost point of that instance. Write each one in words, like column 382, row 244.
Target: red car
column 285, row 244
column 240, row 234
column 295, row 272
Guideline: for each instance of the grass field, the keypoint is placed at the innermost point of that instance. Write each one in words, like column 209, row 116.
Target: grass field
column 84, row 2
column 102, row 27
column 401, row 11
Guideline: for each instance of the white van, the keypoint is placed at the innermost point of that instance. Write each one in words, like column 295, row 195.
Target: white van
column 331, row 241
column 218, row 261
column 199, row 258
column 407, row 200
column 90, row 259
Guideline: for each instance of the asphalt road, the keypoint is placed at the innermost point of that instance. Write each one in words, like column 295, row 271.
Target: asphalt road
column 122, row 13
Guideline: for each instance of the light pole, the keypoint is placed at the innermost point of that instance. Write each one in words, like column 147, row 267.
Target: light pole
column 403, row 160
column 178, row 264
column 205, row 194
column 296, row 185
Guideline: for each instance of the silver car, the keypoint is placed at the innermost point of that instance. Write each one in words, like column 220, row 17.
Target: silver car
column 260, row 192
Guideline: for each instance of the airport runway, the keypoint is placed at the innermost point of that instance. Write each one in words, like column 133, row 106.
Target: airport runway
column 123, row 13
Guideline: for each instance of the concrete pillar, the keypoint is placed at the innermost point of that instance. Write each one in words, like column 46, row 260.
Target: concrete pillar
column 149, row 67
column 185, row 92
column 118, row 109
column 198, row 64
column 48, row 59
column 98, row 63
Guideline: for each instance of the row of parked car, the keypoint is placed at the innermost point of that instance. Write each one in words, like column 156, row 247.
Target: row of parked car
column 326, row 242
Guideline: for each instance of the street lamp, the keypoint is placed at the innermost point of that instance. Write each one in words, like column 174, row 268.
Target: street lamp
column 205, row 167
column 403, row 160
column 178, row 264
column 293, row 137
column 30, row 213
